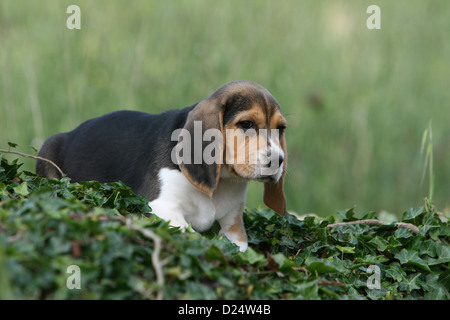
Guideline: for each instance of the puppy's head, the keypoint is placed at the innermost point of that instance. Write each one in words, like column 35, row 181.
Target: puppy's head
column 241, row 127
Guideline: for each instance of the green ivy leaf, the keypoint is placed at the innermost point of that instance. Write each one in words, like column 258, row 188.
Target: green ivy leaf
column 22, row 189
column 411, row 257
column 395, row 271
column 380, row 243
column 285, row 264
column 347, row 215
column 410, row 282
column 251, row 256
column 308, row 290
column 370, row 259
column 346, row 249
column 315, row 265
column 3, row 191
column 413, row 213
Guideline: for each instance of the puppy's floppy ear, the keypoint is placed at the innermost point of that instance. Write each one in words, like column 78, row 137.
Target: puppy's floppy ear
column 273, row 192
column 207, row 114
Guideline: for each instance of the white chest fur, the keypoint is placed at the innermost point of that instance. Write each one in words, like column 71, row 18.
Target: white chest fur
column 181, row 203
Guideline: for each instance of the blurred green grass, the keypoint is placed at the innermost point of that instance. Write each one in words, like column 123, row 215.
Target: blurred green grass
column 357, row 100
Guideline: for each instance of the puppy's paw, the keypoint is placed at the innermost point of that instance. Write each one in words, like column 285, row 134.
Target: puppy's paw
column 239, row 239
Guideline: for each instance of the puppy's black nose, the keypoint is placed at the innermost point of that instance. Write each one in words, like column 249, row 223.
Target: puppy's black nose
column 280, row 160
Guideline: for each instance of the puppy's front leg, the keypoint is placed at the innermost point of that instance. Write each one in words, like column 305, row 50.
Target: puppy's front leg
column 233, row 228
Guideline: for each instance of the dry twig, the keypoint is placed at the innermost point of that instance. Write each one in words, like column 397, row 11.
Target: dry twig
column 36, row 158
column 157, row 264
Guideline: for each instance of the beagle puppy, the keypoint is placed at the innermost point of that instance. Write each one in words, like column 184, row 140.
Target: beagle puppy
column 193, row 164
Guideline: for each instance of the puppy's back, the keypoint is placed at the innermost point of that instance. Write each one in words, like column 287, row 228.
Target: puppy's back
column 129, row 146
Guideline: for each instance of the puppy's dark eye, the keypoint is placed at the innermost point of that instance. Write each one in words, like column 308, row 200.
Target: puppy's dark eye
column 246, row 124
